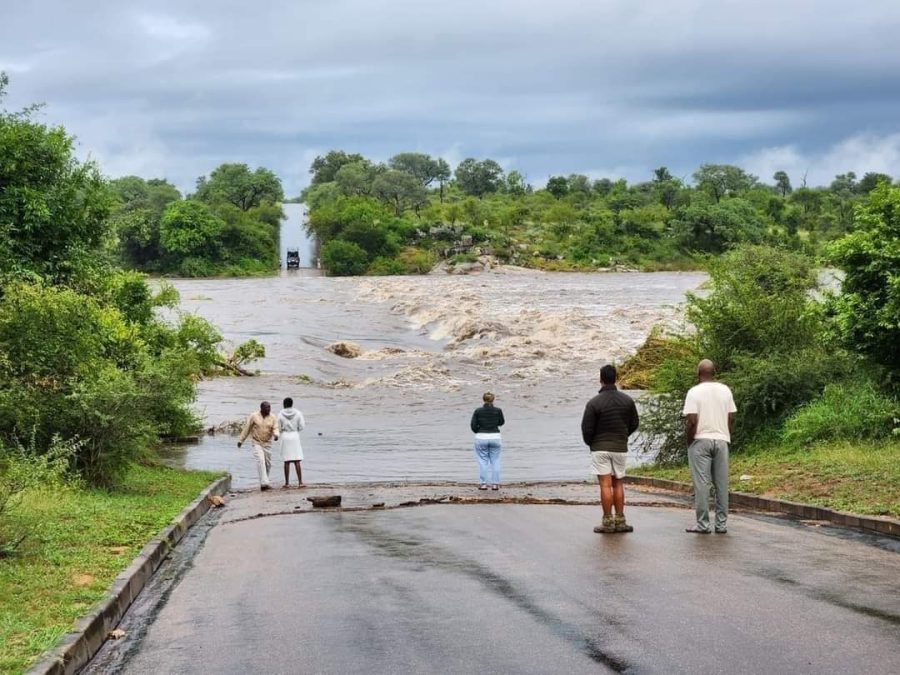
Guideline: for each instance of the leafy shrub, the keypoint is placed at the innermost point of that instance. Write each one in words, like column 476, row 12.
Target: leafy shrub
column 386, row 267
column 846, row 410
column 344, row 258
column 763, row 330
column 196, row 267
column 21, row 469
column 416, row 261
column 868, row 310
column 767, row 388
column 760, row 304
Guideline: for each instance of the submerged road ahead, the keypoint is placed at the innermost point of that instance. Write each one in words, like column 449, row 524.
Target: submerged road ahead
column 526, row 589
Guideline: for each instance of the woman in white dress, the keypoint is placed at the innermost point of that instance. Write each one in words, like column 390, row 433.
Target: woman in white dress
column 290, row 423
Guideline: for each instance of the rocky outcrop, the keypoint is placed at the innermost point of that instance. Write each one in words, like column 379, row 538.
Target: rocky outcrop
column 347, row 350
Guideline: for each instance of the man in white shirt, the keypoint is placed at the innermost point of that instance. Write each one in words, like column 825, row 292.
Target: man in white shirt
column 709, row 410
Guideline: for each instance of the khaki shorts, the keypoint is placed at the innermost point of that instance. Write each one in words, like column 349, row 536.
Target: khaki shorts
column 604, row 463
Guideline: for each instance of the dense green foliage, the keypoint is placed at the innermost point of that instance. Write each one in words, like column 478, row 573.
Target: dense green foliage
column 763, row 329
column 229, row 227
column 868, row 309
column 85, row 358
column 573, row 223
column 772, row 338
column 854, row 409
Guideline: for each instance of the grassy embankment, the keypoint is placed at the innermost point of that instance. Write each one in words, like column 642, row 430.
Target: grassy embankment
column 860, row 476
column 847, row 476
column 80, row 540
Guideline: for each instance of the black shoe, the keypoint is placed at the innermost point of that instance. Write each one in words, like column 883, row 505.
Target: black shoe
column 721, row 530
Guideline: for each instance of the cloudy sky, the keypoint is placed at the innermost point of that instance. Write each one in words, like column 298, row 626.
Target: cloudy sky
column 602, row 87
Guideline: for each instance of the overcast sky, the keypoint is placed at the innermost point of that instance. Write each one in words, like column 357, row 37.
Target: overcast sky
column 602, row 87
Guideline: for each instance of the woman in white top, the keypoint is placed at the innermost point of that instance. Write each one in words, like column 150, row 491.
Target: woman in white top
column 290, row 424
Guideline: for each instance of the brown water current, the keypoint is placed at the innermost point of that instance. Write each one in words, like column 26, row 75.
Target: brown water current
column 431, row 346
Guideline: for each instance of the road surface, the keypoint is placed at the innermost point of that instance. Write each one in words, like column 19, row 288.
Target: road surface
column 509, row 588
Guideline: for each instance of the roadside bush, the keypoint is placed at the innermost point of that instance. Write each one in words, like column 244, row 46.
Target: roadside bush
column 344, row 258
column 22, row 469
column 867, row 311
column 760, row 304
column 70, row 373
column 853, row 410
column 763, row 330
column 767, row 388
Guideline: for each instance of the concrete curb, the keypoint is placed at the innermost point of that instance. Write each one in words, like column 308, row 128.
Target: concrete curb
column 872, row 524
column 76, row 648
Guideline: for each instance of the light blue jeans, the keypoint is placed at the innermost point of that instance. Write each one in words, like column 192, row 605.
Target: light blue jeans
column 487, row 452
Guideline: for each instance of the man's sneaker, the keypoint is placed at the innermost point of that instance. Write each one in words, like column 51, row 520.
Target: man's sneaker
column 721, row 530
column 608, row 526
column 620, row 525
column 265, row 487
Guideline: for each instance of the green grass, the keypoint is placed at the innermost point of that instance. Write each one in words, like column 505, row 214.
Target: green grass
column 860, row 477
column 80, row 540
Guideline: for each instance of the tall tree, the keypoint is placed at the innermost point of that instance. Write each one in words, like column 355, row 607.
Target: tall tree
column 661, row 175
column 783, row 183
column 478, row 178
column 871, row 180
column 236, row 184
column 53, row 209
column 868, row 309
column 515, row 183
column 425, row 169
column 401, row 190
column 356, row 178
column 558, row 186
column 721, row 180
column 324, row 168
column 189, row 229
column 443, row 175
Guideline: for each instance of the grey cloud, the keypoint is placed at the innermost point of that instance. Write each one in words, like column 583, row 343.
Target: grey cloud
column 173, row 88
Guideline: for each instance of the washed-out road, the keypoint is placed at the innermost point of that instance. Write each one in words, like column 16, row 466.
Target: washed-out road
column 512, row 588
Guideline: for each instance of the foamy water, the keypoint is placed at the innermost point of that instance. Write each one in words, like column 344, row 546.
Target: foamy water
column 431, row 346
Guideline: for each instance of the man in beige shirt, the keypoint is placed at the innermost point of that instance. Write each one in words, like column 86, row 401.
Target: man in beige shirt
column 262, row 429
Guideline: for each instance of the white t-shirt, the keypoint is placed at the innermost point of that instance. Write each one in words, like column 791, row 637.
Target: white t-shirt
column 711, row 402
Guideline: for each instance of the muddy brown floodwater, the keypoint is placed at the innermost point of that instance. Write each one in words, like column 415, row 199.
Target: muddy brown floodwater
column 432, row 345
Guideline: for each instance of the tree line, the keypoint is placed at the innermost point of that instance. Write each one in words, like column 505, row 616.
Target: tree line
column 228, row 227
column 91, row 374
column 398, row 216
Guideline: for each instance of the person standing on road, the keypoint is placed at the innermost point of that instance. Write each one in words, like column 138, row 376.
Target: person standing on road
column 290, row 424
column 709, row 411
column 609, row 419
column 262, row 429
column 486, row 423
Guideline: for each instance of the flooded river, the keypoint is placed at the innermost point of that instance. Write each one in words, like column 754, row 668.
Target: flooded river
column 431, row 346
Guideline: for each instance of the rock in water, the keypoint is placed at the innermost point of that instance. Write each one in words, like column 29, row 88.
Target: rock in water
column 348, row 350
column 324, row 502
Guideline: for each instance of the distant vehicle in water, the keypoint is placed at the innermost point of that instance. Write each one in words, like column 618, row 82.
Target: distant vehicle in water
column 293, row 259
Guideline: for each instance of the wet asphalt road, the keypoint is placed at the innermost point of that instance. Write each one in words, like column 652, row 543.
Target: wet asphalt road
column 525, row 589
